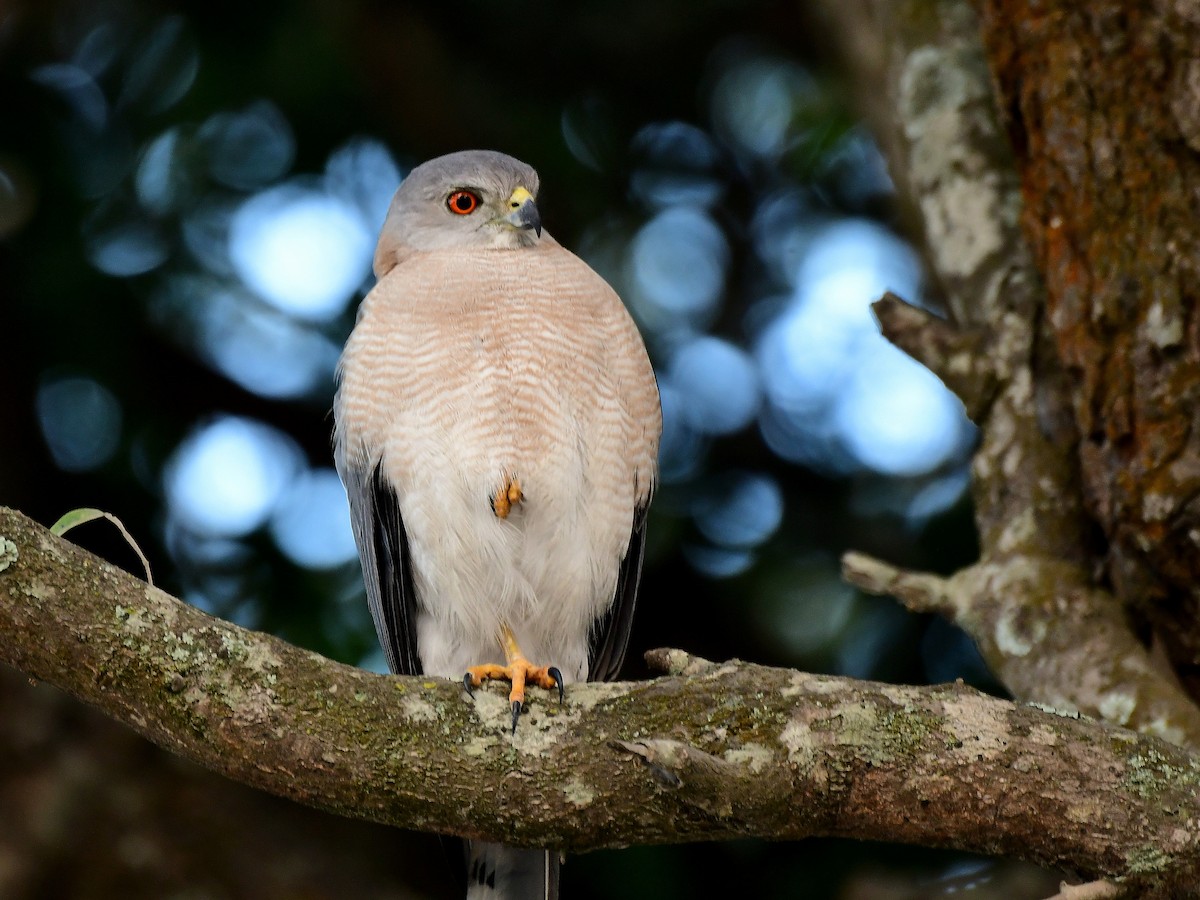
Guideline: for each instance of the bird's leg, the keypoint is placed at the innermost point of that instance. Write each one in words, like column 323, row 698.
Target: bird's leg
column 506, row 498
column 518, row 670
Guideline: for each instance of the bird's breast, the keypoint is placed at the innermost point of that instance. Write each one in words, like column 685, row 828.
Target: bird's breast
column 507, row 374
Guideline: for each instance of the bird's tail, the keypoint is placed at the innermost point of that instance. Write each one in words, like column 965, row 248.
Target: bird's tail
column 497, row 872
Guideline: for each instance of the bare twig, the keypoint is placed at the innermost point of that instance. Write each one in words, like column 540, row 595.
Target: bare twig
column 957, row 356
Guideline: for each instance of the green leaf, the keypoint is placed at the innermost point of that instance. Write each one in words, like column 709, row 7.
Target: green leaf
column 80, row 516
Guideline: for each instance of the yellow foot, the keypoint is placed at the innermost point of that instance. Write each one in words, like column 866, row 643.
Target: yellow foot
column 506, row 498
column 519, row 671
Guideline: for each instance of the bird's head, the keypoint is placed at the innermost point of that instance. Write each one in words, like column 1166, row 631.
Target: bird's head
column 474, row 198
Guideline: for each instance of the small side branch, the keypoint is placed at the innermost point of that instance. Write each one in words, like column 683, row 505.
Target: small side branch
column 1039, row 625
column 918, row 591
column 958, row 357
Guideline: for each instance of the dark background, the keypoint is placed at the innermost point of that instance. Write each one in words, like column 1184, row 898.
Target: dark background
column 700, row 155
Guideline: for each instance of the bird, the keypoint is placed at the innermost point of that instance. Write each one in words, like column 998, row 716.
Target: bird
column 496, row 427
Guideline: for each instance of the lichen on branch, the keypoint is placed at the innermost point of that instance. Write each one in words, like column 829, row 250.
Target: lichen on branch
column 715, row 751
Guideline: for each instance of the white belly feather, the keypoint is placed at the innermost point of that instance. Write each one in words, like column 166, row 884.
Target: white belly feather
column 547, row 570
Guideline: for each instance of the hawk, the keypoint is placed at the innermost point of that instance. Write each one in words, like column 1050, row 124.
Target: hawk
column 497, row 428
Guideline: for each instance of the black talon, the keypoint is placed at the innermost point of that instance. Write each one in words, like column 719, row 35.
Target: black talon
column 467, row 685
column 516, row 714
column 558, row 679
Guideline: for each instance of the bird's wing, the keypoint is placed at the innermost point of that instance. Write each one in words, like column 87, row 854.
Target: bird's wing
column 610, row 633
column 386, row 563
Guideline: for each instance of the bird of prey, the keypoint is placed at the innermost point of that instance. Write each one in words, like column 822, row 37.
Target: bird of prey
column 497, row 429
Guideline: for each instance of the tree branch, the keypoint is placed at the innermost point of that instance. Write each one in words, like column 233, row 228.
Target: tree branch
column 957, row 356
column 1017, row 609
column 724, row 751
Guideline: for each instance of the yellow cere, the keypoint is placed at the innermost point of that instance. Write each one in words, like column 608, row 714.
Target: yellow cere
column 518, row 197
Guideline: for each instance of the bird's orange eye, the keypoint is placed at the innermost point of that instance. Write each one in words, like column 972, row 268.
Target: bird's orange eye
column 462, row 202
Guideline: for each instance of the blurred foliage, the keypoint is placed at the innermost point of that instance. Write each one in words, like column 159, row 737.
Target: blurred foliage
column 698, row 154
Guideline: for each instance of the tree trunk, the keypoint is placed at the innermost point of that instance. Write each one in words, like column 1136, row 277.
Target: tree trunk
column 1102, row 104
column 1084, row 404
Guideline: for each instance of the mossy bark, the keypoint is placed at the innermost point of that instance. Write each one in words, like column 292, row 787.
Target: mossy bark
column 714, row 751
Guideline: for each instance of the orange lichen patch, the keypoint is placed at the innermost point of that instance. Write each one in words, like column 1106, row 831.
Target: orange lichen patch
column 1097, row 112
column 506, row 498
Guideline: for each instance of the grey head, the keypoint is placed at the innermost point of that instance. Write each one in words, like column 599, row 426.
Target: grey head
column 473, row 198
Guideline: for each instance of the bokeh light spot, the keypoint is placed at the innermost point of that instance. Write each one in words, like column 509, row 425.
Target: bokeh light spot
column 227, row 477
column 162, row 178
column 18, row 195
column 678, row 261
column 805, row 607
column 81, row 422
column 753, row 103
column 897, row 416
column 256, row 346
column 678, row 165
column 248, row 149
column 363, row 174
column 162, row 69
column 739, row 509
column 837, row 392
column 312, row 522
column 588, row 130
column 301, row 250
column 124, row 247
column 717, row 383
column 717, row 562
column 78, row 89
column 681, row 449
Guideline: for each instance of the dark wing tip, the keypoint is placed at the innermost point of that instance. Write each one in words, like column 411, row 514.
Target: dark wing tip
column 610, row 634
column 397, row 619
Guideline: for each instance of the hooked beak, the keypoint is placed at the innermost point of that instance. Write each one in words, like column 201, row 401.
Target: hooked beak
column 524, row 212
